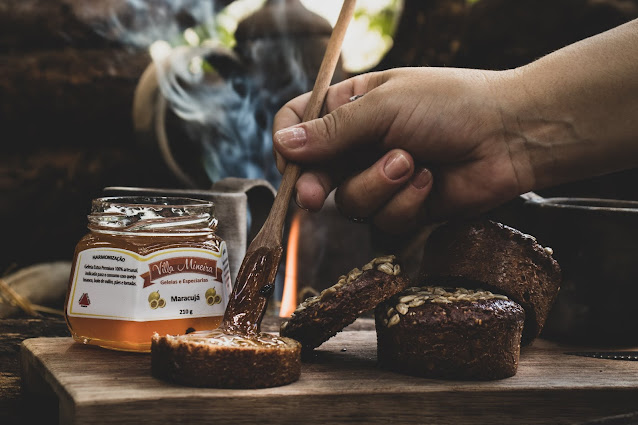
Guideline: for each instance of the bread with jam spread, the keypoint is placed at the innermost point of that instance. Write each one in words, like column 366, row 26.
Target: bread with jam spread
column 220, row 360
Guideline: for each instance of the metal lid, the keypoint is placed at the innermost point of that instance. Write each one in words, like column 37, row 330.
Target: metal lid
column 152, row 215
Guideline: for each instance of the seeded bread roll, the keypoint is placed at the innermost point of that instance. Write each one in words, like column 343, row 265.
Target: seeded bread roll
column 482, row 253
column 319, row 318
column 449, row 333
column 218, row 360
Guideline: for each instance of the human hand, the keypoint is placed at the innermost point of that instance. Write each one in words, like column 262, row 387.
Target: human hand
column 427, row 144
column 423, row 144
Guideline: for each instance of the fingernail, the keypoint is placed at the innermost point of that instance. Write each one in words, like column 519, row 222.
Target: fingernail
column 421, row 178
column 291, row 138
column 396, row 166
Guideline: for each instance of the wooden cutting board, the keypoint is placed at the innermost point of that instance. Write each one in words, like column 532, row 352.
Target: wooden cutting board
column 342, row 384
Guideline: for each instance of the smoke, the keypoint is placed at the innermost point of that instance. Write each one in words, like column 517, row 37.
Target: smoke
column 223, row 111
column 224, row 99
column 230, row 111
column 139, row 23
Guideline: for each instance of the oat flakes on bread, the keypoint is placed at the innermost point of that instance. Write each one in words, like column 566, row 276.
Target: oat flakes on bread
column 483, row 253
column 319, row 318
column 449, row 333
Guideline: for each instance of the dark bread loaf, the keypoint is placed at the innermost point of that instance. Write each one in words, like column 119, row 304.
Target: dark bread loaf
column 483, row 253
column 319, row 318
column 449, row 333
column 218, row 360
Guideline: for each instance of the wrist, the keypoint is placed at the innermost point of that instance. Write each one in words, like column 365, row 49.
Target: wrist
column 546, row 129
column 573, row 112
column 523, row 130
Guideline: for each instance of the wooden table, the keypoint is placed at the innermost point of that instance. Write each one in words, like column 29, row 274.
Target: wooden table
column 15, row 409
column 341, row 384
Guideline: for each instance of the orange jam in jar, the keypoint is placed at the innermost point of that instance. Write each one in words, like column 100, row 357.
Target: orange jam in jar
column 148, row 264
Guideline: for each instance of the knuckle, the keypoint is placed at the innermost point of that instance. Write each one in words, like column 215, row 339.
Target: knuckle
column 329, row 127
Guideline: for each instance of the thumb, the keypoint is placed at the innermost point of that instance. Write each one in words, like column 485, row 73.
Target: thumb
column 322, row 139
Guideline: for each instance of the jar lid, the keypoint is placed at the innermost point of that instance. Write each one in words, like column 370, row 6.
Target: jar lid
column 156, row 215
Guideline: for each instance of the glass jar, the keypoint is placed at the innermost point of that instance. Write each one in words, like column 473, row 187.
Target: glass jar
column 148, row 264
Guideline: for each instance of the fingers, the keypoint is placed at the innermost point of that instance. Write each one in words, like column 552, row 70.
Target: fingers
column 398, row 205
column 363, row 194
column 406, row 209
column 312, row 189
column 338, row 95
column 327, row 137
column 390, row 192
column 346, row 124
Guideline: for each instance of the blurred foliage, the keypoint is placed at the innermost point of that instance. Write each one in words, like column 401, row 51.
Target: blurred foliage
column 377, row 20
column 385, row 21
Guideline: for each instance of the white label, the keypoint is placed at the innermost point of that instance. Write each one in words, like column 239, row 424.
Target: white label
column 111, row 283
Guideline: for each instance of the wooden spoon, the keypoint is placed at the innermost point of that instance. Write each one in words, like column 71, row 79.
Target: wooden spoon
column 255, row 281
column 237, row 355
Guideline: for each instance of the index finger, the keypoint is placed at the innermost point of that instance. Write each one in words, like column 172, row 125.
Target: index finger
column 339, row 94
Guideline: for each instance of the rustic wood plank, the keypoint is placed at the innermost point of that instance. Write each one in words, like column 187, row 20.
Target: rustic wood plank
column 14, row 407
column 336, row 386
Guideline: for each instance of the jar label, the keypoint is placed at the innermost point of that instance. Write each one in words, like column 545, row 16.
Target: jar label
column 111, row 283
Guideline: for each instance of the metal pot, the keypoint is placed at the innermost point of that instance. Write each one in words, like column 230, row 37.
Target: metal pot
column 595, row 241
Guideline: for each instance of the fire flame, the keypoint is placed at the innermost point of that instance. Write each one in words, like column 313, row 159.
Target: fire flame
column 289, row 297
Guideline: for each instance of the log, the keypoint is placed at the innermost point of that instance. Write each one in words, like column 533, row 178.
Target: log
column 502, row 34
column 427, row 34
column 54, row 24
column 38, row 24
column 72, row 96
column 497, row 34
column 46, row 194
